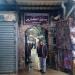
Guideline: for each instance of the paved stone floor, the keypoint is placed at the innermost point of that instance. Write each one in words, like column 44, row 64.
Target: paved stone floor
column 49, row 72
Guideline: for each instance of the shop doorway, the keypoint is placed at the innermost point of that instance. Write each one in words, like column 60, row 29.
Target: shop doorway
column 32, row 36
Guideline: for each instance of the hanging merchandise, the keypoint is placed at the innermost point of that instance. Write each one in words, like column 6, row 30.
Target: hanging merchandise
column 63, row 44
column 60, row 59
column 67, row 61
column 71, row 22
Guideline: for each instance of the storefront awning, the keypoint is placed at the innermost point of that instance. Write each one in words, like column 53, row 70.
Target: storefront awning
column 33, row 2
column 41, row 2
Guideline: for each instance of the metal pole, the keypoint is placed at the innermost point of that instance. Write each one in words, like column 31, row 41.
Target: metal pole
column 71, row 10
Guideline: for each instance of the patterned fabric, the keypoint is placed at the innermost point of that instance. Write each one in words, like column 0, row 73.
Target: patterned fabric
column 63, row 44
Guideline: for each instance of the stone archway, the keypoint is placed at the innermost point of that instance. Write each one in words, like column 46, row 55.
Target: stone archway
column 32, row 37
column 22, row 30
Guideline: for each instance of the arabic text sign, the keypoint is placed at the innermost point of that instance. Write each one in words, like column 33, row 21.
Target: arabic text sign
column 36, row 18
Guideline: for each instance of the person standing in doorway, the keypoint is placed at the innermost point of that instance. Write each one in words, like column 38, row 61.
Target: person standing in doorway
column 28, row 56
column 42, row 52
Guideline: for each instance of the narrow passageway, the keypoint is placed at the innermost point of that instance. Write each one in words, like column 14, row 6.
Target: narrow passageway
column 49, row 72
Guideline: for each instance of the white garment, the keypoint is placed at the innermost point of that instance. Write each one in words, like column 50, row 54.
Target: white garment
column 34, row 58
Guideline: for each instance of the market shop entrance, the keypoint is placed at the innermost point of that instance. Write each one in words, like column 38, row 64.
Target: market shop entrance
column 54, row 36
column 32, row 37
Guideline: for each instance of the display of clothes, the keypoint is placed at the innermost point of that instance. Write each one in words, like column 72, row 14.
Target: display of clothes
column 71, row 22
column 63, row 44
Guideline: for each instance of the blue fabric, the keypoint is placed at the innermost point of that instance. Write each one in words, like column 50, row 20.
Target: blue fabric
column 42, row 64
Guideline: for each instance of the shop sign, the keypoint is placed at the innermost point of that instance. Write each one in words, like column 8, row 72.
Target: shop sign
column 36, row 18
column 7, row 17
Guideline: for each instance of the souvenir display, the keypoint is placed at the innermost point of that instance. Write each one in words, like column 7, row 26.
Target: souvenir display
column 63, row 44
column 71, row 22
